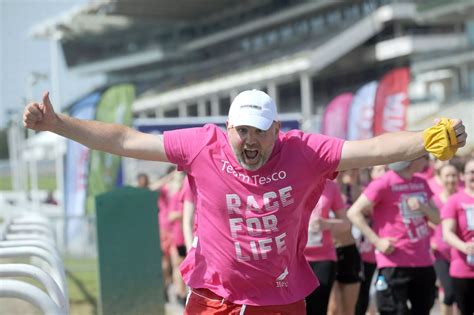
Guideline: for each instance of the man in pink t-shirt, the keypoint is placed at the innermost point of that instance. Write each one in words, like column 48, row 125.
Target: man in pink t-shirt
column 400, row 206
column 320, row 251
column 255, row 188
column 458, row 231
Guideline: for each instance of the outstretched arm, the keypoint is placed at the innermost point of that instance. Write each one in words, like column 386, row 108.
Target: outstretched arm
column 111, row 138
column 391, row 147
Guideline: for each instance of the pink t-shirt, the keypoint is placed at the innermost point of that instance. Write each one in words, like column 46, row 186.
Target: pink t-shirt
column 392, row 218
column 366, row 248
column 460, row 207
column 442, row 248
column 250, row 241
column 164, row 209
column 185, row 194
column 180, row 197
column 320, row 246
column 172, row 202
column 435, row 187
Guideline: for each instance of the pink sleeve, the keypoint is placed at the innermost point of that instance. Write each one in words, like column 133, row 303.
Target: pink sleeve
column 449, row 209
column 373, row 192
column 183, row 145
column 323, row 153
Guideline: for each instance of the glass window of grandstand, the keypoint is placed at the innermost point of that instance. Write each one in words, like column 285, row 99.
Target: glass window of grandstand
column 192, row 110
column 172, row 113
column 289, row 98
column 224, row 105
column 150, row 114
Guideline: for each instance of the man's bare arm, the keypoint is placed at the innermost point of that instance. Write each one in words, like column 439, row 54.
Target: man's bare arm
column 390, row 147
column 383, row 149
column 112, row 138
column 361, row 208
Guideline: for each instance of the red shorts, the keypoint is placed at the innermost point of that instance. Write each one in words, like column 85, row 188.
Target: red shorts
column 206, row 302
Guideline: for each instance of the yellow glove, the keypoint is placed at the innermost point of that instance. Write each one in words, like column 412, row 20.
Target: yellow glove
column 440, row 140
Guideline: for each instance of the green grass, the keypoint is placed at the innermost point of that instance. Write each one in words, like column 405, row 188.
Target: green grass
column 82, row 280
column 45, row 182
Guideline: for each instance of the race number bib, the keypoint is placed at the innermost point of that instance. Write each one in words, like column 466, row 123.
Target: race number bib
column 315, row 239
column 469, row 208
column 414, row 220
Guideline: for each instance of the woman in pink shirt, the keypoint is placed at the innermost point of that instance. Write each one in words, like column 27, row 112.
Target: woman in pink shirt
column 458, row 231
column 435, row 182
column 449, row 178
column 170, row 209
column 320, row 251
column 346, row 287
column 400, row 206
column 367, row 255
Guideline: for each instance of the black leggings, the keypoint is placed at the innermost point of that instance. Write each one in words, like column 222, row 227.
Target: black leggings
column 317, row 301
column 442, row 272
column 414, row 284
column 367, row 271
column 464, row 295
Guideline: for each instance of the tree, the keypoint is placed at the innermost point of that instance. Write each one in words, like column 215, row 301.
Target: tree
column 4, row 144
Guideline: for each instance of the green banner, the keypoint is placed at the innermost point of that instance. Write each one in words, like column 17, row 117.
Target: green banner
column 115, row 106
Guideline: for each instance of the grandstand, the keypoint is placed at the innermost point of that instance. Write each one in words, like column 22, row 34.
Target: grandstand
column 190, row 58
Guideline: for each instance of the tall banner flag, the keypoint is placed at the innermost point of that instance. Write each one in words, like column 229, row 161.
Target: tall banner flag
column 361, row 114
column 115, row 107
column 335, row 116
column 391, row 101
column 77, row 168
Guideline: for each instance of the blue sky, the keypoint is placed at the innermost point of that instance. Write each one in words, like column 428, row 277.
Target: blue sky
column 21, row 55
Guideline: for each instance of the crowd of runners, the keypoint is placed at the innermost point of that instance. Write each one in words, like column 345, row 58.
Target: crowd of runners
column 268, row 213
column 342, row 256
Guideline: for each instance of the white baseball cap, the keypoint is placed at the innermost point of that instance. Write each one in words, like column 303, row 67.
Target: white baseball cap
column 253, row 108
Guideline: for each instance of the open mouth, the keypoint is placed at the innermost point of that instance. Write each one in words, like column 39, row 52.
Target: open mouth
column 250, row 155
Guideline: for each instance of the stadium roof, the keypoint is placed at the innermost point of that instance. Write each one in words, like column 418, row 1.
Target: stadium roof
column 99, row 16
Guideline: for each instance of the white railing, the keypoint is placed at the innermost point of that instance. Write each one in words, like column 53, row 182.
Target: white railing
column 31, row 236
column 21, row 290
column 25, row 270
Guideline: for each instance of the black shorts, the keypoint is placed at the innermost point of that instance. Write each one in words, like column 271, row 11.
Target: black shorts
column 348, row 264
column 181, row 250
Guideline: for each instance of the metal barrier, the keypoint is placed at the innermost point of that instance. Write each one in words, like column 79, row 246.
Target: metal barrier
column 37, row 243
column 24, row 270
column 30, row 228
column 30, row 293
column 23, row 237
column 31, row 236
